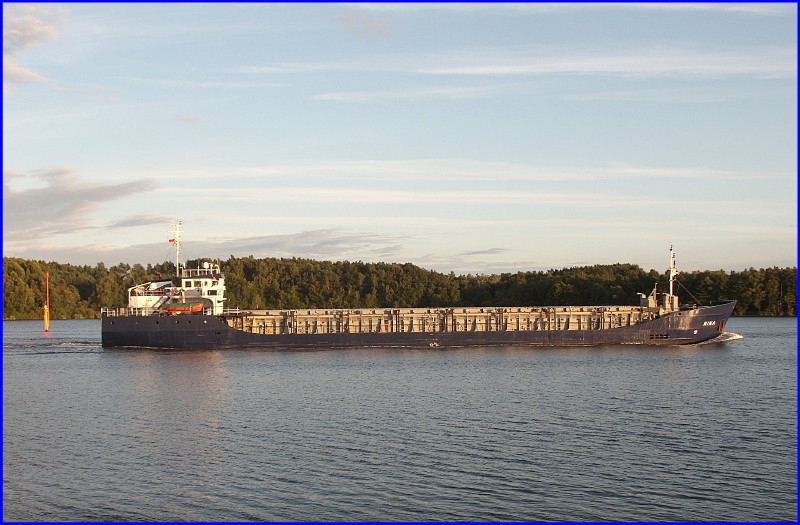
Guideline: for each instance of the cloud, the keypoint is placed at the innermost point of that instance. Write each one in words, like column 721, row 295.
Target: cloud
column 203, row 83
column 58, row 203
column 678, row 95
column 362, row 25
column 452, row 169
column 490, row 251
column 759, row 61
column 760, row 8
column 320, row 244
column 331, row 243
column 417, row 93
column 322, row 194
column 188, row 119
column 25, row 26
column 347, row 196
column 138, row 220
column 17, row 74
column 536, row 8
column 460, row 7
column 259, row 69
column 515, row 61
column 457, row 264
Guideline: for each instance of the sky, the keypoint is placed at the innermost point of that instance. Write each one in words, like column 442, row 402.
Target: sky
column 472, row 138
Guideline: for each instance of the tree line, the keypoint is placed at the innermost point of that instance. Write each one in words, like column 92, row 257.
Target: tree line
column 270, row 283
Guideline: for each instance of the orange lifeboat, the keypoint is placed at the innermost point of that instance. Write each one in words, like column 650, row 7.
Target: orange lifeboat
column 183, row 307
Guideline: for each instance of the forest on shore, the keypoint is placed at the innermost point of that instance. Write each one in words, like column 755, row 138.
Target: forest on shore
column 78, row 292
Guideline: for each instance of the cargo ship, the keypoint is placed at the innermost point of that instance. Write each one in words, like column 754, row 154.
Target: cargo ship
column 189, row 313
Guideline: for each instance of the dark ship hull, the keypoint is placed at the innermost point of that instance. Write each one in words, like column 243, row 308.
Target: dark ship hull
column 689, row 325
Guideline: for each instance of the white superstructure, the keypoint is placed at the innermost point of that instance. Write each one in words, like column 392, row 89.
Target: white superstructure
column 199, row 289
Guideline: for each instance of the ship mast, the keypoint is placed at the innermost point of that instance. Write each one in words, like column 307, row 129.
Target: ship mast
column 673, row 271
column 176, row 240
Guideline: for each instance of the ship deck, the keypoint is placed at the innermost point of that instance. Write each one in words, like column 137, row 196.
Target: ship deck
column 433, row 320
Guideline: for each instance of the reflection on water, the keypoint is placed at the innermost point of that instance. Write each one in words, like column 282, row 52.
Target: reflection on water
column 188, row 396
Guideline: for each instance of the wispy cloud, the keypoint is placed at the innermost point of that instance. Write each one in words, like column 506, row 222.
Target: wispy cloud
column 759, row 8
column 455, row 170
column 684, row 94
column 761, row 61
column 25, row 25
column 320, row 244
column 15, row 73
column 490, row 251
column 60, row 202
column 417, row 93
column 556, row 224
column 345, row 196
column 534, row 8
column 188, row 119
column 138, row 220
column 181, row 83
column 464, row 7
column 355, row 244
column 519, row 61
column 365, row 26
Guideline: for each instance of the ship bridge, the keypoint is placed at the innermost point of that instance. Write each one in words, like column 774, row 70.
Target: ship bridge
column 205, row 284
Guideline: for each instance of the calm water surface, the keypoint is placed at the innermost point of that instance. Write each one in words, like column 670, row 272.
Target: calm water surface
column 613, row 433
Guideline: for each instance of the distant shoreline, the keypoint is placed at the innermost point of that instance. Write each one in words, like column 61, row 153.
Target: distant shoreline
column 292, row 284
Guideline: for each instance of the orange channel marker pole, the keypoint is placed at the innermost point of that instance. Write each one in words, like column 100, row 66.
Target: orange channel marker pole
column 47, row 303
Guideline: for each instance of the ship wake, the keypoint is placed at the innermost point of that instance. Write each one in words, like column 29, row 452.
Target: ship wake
column 724, row 337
